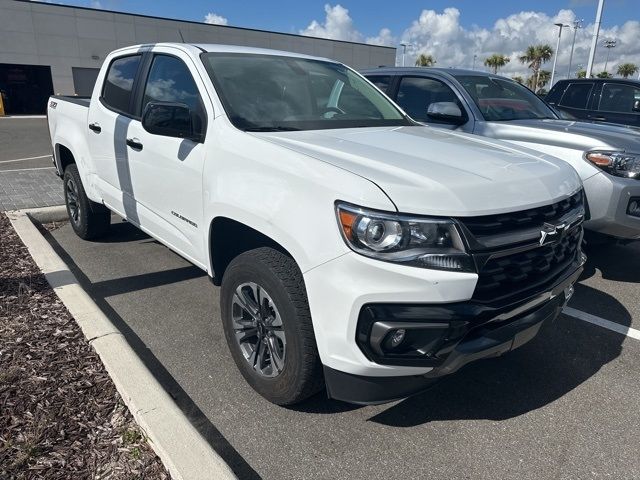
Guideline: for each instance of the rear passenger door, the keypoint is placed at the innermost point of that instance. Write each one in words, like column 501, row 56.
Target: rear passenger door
column 618, row 103
column 575, row 99
column 110, row 112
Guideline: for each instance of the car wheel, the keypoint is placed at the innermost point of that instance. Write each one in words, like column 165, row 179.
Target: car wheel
column 268, row 327
column 88, row 219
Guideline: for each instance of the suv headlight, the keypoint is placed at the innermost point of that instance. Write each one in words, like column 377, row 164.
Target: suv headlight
column 408, row 240
column 619, row 163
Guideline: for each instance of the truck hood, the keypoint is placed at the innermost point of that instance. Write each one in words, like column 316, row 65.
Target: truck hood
column 567, row 133
column 436, row 172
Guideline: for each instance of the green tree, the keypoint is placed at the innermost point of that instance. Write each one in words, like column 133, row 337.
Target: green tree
column 534, row 56
column 518, row 79
column 581, row 74
column 424, row 60
column 604, row 74
column 496, row 61
column 543, row 78
column 627, row 69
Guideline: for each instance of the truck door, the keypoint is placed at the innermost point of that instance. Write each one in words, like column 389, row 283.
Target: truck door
column 110, row 113
column 166, row 171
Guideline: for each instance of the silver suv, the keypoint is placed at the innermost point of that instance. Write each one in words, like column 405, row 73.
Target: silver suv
column 607, row 157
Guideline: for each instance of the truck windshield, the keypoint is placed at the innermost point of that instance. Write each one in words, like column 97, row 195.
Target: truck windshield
column 502, row 100
column 277, row 93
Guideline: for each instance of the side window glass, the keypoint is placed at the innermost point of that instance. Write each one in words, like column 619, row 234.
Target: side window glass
column 619, row 98
column 118, row 85
column 169, row 80
column 576, row 95
column 416, row 94
column 380, row 81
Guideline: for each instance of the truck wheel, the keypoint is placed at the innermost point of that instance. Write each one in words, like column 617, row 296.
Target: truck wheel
column 267, row 323
column 88, row 219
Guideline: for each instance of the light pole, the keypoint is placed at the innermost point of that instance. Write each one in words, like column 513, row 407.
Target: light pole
column 474, row 62
column 404, row 50
column 576, row 25
column 609, row 44
column 555, row 59
column 594, row 40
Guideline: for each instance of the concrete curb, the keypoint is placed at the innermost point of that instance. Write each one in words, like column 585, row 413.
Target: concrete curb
column 47, row 214
column 183, row 451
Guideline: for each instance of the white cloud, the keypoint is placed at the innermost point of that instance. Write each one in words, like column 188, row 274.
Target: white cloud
column 441, row 35
column 215, row 19
column 338, row 25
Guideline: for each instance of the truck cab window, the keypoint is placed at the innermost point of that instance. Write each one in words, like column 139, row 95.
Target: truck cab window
column 169, row 80
column 118, row 85
column 576, row 95
column 619, row 98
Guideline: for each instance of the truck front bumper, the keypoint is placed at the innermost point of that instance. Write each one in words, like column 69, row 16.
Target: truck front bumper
column 451, row 329
column 609, row 199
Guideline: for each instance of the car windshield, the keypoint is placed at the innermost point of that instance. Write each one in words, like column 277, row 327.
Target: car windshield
column 271, row 93
column 502, row 100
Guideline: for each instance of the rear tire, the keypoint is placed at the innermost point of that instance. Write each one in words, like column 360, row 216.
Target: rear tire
column 267, row 324
column 88, row 219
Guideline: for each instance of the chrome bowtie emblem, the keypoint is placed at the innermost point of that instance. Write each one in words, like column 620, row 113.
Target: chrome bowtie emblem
column 550, row 233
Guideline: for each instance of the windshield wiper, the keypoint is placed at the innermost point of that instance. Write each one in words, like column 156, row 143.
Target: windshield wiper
column 271, row 129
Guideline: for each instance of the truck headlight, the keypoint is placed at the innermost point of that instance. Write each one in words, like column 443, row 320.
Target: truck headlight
column 621, row 164
column 408, row 240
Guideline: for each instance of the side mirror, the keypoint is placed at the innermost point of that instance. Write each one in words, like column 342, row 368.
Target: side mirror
column 636, row 106
column 446, row 111
column 169, row 119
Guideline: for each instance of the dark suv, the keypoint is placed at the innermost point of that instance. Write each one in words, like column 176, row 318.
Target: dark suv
column 613, row 100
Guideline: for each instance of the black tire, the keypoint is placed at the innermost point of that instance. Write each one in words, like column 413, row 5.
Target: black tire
column 88, row 219
column 281, row 281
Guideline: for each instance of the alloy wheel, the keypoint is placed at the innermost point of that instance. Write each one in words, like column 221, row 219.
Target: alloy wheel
column 258, row 329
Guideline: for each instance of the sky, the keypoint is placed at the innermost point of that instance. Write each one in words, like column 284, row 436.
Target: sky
column 452, row 31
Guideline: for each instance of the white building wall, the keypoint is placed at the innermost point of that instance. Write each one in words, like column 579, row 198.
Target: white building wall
column 65, row 37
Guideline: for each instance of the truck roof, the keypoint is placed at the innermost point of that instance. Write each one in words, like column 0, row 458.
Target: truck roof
column 214, row 47
column 431, row 70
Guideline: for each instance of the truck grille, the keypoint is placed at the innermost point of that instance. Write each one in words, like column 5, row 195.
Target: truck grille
column 506, row 247
column 528, row 270
column 490, row 225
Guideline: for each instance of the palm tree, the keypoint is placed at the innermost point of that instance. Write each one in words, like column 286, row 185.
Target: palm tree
column 425, row 60
column 581, row 74
column 535, row 56
column 627, row 69
column 518, row 79
column 496, row 61
column 543, row 78
column 604, row 74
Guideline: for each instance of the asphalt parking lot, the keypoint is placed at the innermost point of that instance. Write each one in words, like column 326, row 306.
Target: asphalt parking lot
column 564, row 406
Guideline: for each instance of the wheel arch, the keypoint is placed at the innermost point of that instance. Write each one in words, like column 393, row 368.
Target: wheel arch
column 228, row 238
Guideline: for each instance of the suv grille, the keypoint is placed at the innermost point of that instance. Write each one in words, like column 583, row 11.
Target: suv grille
column 518, row 265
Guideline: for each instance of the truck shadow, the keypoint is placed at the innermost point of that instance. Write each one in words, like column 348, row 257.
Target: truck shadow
column 618, row 262
column 565, row 354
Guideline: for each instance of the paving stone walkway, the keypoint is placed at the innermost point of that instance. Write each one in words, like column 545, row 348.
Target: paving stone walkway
column 29, row 189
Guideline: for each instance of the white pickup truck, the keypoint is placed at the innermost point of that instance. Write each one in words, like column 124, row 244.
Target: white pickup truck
column 356, row 249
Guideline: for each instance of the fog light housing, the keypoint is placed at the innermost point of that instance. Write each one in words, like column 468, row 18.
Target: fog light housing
column 633, row 208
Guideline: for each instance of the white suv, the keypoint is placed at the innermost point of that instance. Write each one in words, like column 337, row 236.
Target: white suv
column 355, row 248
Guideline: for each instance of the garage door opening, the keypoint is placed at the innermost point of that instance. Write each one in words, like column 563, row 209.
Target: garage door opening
column 25, row 88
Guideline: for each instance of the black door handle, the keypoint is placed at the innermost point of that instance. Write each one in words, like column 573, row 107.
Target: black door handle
column 95, row 127
column 597, row 117
column 134, row 143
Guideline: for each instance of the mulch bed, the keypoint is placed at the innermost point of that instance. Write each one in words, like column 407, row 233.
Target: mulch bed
column 60, row 415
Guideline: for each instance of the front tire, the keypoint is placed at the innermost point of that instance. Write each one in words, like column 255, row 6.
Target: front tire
column 88, row 219
column 267, row 324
